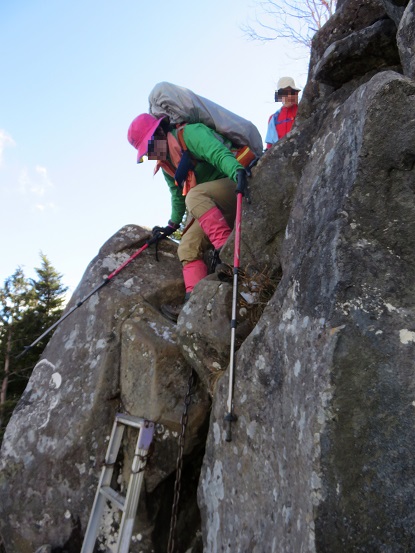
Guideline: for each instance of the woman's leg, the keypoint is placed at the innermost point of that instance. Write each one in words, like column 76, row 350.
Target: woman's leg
column 213, row 206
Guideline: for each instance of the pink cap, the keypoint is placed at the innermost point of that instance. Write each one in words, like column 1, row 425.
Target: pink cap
column 140, row 132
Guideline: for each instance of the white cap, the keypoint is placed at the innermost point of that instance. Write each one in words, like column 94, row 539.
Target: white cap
column 286, row 82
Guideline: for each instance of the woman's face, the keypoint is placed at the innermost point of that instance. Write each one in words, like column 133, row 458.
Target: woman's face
column 157, row 149
column 288, row 97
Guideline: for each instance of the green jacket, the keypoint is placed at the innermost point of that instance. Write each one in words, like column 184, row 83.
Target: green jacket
column 213, row 161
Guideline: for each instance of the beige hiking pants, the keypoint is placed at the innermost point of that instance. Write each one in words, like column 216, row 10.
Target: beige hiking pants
column 219, row 193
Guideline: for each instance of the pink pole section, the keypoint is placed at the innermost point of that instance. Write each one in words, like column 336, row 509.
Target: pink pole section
column 238, row 224
column 83, row 300
column 121, row 267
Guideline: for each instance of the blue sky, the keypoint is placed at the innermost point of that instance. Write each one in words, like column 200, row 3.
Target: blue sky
column 74, row 73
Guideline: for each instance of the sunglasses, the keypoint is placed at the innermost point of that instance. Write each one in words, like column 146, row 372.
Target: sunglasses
column 150, row 146
column 284, row 92
column 152, row 143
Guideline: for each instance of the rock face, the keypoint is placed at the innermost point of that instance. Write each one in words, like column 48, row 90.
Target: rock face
column 322, row 452
column 406, row 40
column 321, row 458
column 117, row 352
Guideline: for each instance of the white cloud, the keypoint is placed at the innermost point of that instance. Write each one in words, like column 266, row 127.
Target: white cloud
column 5, row 140
column 45, row 206
column 38, row 184
column 45, row 182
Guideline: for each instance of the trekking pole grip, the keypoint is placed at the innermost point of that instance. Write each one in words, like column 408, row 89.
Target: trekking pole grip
column 241, row 181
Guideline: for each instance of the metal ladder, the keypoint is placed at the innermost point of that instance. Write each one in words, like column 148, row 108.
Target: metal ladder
column 128, row 504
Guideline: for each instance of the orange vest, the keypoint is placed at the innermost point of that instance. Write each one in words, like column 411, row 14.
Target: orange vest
column 176, row 148
column 170, row 167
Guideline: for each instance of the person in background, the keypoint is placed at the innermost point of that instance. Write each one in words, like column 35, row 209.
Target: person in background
column 281, row 122
column 201, row 173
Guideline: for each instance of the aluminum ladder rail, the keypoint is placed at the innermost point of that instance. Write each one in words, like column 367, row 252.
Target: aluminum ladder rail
column 128, row 504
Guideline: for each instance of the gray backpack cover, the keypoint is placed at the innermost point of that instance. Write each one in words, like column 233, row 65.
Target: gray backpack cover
column 182, row 105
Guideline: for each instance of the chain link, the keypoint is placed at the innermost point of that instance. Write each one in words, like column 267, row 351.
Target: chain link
column 179, row 465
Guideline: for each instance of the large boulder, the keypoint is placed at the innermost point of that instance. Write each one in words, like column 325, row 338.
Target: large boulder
column 395, row 9
column 321, row 457
column 116, row 352
column 366, row 50
column 266, row 209
column 204, row 330
column 350, row 20
column 406, row 40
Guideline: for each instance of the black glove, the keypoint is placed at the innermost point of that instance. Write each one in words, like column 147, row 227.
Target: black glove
column 162, row 232
column 241, row 181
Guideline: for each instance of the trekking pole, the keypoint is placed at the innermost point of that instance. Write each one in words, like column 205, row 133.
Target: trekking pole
column 101, row 285
column 230, row 416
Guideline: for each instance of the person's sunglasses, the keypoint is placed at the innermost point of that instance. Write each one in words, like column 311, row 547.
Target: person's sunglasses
column 283, row 92
column 151, row 145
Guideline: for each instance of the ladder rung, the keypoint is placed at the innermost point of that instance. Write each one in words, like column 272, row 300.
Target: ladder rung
column 127, row 504
column 129, row 420
column 113, row 496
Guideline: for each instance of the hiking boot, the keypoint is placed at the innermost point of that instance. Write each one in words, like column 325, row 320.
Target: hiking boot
column 214, row 261
column 224, row 272
column 172, row 311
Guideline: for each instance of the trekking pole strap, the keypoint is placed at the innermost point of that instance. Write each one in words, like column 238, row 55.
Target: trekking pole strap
column 252, row 164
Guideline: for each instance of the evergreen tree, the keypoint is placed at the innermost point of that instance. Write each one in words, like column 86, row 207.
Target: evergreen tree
column 16, row 299
column 49, row 293
column 27, row 308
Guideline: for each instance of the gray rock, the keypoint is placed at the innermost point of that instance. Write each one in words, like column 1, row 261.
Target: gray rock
column 154, row 379
column 264, row 219
column 406, row 40
column 395, row 9
column 204, row 328
column 351, row 17
column 321, row 457
column 370, row 49
column 110, row 354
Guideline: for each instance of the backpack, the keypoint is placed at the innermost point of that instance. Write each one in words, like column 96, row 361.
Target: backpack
column 181, row 105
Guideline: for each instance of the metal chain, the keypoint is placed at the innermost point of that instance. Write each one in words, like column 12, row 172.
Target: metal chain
column 179, row 464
